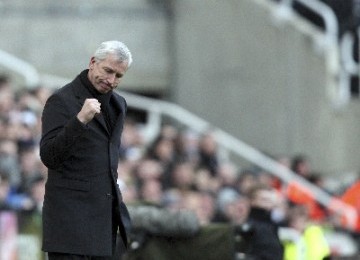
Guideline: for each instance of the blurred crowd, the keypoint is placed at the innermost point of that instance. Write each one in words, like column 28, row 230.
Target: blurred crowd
column 22, row 174
column 178, row 170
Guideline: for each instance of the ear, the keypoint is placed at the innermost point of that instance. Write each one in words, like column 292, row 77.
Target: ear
column 92, row 62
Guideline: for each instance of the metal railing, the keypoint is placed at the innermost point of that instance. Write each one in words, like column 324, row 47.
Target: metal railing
column 22, row 68
column 326, row 42
column 350, row 67
column 321, row 9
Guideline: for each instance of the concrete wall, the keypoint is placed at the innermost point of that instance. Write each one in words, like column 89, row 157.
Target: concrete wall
column 263, row 81
column 59, row 37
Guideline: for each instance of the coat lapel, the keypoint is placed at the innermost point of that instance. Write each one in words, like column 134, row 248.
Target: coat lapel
column 120, row 113
column 100, row 119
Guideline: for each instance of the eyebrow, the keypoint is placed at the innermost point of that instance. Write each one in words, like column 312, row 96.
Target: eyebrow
column 118, row 75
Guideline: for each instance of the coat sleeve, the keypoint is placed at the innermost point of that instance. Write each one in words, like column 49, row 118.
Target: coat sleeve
column 60, row 130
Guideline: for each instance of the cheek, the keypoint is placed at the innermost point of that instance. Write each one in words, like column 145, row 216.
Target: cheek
column 98, row 77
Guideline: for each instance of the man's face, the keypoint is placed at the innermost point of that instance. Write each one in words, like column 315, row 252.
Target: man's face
column 106, row 74
column 265, row 199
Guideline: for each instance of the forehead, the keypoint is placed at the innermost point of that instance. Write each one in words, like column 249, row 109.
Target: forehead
column 112, row 62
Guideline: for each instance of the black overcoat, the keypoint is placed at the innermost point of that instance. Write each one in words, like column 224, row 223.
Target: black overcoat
column 263, row 242
column 82, row 166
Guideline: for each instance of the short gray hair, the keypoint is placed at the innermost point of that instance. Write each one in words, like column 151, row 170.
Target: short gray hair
column 119, row 49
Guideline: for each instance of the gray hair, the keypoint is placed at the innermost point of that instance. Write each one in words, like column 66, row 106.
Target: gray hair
column 119, row 49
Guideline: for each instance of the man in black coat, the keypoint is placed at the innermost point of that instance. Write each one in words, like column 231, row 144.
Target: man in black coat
column 81, row 130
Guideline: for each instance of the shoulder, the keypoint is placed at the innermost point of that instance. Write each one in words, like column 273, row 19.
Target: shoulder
column 62, row 94
column 66, row 88
column 120, row 99
column 69, row 90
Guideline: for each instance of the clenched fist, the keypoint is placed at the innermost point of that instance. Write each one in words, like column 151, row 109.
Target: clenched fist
column 90, row 108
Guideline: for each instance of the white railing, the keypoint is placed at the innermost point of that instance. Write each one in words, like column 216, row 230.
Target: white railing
column 24, row 69
column 349, row 67
column 328, row 15
column 327, row 42
column 347, row 45
column 323, row 10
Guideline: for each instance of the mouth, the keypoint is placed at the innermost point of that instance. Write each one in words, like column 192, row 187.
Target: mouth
column 105, row 86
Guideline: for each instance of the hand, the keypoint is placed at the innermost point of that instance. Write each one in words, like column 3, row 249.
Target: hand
column 90, row 108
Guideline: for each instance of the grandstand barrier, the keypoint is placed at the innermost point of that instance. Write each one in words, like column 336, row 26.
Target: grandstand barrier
column 22, row 68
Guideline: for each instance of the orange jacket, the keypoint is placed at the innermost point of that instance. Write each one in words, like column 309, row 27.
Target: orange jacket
column 298, row 194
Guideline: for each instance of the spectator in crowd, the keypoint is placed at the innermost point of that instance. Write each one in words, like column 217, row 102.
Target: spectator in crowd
column 260, row 230
column 4, row 192
column 183, row 177
column 183, row 186
column 186, row 146
column 151, row 192
column 246, row 180
column 127, row 181
column 30, row 166
column 203, row 204
column 30, row 221
column 9, row 161
column 149, row 169
column 36, row 192
column 351, row 196
column 306, row 241
column 163, row 151
column 300, row 164
column 204, row 181
column 232, row 207
column 299, row 195
column 132, row 143
column 7, row 97
column 208, row 153
column 10, row 199
column 227, row 173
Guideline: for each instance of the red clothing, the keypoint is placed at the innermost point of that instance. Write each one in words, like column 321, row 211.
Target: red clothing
column 298, row 194
column 352, row 197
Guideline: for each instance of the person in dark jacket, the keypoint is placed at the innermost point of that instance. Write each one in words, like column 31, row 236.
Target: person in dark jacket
column 82, row 124
column 260, row 232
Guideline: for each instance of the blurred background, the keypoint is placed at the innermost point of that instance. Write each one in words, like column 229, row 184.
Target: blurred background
column 269, row 82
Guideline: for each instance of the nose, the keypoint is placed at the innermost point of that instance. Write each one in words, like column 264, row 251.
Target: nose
column 113, row 80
